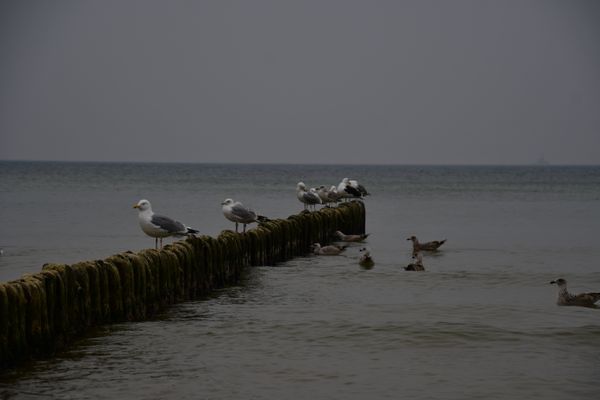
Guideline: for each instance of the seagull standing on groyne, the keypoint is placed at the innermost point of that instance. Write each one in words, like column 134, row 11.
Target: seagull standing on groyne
column 347, row 191
column 308, row 198
column 159, row 226
column 236, row 212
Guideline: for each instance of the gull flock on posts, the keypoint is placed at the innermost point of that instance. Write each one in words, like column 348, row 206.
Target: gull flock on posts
column 159, row 227
column 346, row 190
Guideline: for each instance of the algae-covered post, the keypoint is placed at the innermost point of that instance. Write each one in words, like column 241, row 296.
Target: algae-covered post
column 42, row 313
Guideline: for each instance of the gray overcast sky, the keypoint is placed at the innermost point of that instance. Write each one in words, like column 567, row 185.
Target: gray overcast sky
column 403, row 82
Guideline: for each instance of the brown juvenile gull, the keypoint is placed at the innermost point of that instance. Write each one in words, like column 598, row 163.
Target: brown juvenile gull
column 429, row 246
column 366, row 261
column 417, row 265
column 159, row 226
column 331, row 250
column 567, row 299
column 350, row 238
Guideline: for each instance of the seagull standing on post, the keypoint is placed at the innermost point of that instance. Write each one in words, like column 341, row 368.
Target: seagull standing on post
column 158, row 226
column 236, row 212
column 347, row 191
column 307, row 198
column 363, row 191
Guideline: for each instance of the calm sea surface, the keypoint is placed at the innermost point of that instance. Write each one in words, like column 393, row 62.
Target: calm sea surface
column 480, row 322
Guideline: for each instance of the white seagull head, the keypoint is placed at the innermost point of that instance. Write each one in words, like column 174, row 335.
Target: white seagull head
column 143, row 205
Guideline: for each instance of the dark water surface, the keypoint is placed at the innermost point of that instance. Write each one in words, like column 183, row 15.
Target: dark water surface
column 480, row 322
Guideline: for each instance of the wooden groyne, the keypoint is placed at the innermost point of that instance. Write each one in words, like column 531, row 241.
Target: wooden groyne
column 44, row 312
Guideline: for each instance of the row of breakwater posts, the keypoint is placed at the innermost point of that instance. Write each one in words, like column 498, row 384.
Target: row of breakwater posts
column 43, row 313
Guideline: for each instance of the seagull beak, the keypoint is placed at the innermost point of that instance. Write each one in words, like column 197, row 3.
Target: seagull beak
column 136, row 206
column 553, row 282
column 407, row 238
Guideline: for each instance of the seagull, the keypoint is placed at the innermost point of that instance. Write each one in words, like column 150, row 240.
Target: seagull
column 351, row 238
column 308, row 198
column 347, row 191
column 334, row 196
column 361, row 188
column 366, row 261
column 417, row 265
column 236, row 212
column 327, row 250
column 429, row 246
column 328, row 196
column 158, row 226
column 567, row 299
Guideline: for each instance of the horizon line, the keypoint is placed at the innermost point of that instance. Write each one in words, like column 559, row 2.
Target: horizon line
column 533, row 164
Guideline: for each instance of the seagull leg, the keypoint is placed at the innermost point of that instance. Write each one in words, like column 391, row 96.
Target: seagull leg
column 236, row 227
column 155, row 243
column 244, row 228
column 161, row 243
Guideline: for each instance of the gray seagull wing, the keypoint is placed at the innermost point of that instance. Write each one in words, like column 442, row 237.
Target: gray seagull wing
column 168, row 224
column 311, row 198
column 243, row 213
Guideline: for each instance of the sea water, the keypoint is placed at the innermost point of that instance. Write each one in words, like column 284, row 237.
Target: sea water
column 480, row 322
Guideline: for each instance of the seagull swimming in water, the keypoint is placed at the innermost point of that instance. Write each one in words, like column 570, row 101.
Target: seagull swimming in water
column 417, row 265
column 309, row 198
column 366, row 261
column 350, row 238
column 158, row 226
column 236, row 212
column 567, row 299
column 429, row 246
column 327, row 250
